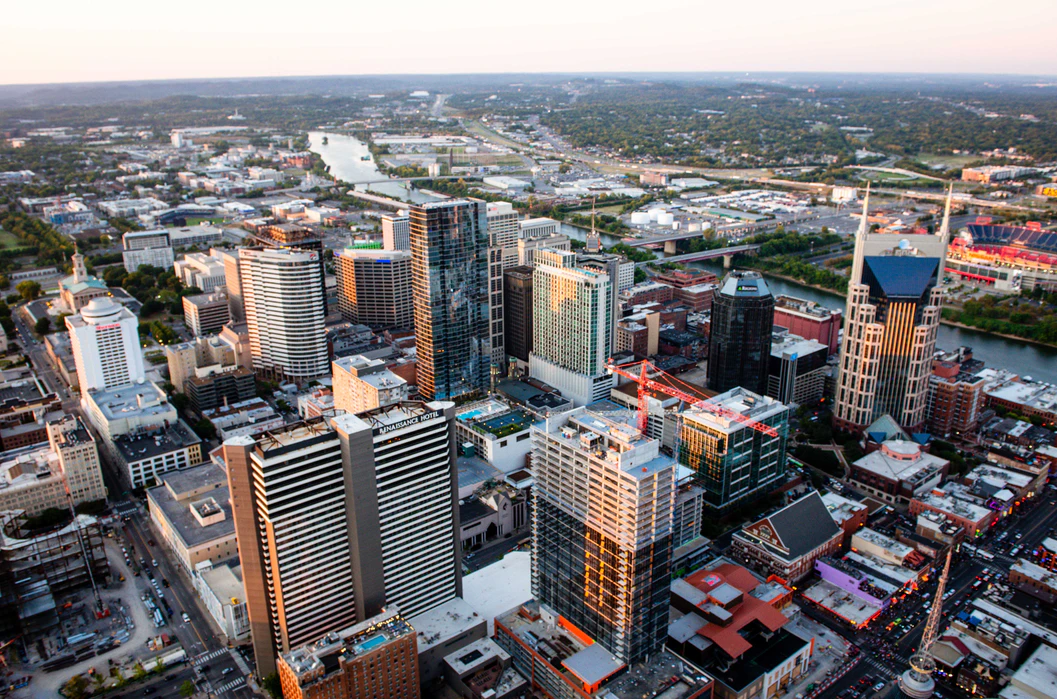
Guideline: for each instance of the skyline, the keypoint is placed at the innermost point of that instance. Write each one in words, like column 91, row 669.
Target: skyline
column 127, row 42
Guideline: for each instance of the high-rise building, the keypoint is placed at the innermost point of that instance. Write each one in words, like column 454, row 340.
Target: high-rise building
column 890, row 326
column 502, row 254
column 365, row 384
column 105, row 341
column 955, row 400
column 809, row 320
column 449, row 261
column 289, row 499
column 739, row 338
column 527, row 247
column 406, row 510
column 203, row 271
column 621, row 273
column 205, row 314
column 376, row 658
column 733, row 461
column 571, row 322
column 517, row 307
column 396, row 232
column 797, row 369
column 292, row 236
column 339, row 518
column 233, row 282
column 374, row 287
column 285, row 315
column 602, row 529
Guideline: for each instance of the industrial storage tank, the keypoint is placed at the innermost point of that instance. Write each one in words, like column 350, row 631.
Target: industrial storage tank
column 655, row 214
column 640, row 218
column 665, row 219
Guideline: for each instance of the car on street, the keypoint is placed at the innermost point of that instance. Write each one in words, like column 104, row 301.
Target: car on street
column 186, row 617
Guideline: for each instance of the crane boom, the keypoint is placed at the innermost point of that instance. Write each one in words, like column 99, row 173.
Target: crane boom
column 647, row 384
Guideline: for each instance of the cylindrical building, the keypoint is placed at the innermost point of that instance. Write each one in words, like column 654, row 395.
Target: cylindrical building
column 739, row 340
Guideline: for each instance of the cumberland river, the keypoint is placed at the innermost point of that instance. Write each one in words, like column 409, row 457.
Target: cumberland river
column 344, row 155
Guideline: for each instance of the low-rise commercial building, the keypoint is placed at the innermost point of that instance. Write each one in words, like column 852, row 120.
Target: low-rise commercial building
column 191, row 510
column 849, row 515
column 246, row 418
column 483, row 669
column 1035, row 580
column 205, row 314
column 498, row 433
column 205, row 271
column 444, row 630
column 152, row 248
column 788, row 542
column 898, row 472
column 220, row 589
column 809, row 320
column 376, row 658
column 972, row 518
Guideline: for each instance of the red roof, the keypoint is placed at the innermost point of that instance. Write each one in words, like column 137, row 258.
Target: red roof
column 744, row 613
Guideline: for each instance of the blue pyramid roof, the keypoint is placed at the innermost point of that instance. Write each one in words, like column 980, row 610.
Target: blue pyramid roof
column 901, row 277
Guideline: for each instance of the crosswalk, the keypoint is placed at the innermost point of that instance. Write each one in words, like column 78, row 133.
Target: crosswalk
column 206, row 657
column 232, row 685
column 880, row 667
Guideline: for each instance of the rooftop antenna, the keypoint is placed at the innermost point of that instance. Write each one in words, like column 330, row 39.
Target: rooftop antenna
column 594, row 242
column 860, row 238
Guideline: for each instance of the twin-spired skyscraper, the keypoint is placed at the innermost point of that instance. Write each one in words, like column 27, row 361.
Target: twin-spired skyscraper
column 890, row 326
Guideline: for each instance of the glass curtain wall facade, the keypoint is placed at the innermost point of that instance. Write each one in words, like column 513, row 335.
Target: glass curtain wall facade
column 739, row 340
column 449, row 262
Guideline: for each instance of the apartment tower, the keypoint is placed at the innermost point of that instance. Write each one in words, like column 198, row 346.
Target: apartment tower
column 571, row 323
column 283, row 297
column 517, row 309
column 104, row 338
column 502, row 254
column 602, row 530
column 396, row 232
column 449, row 263
column 890, row 326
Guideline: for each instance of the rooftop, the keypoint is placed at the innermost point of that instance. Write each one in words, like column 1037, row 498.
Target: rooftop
column 141, row 446
column 440, row 624
column 800, row 527
column 898, row 460
column 841, row 508
column 943, row 502
column 183, row 521
column 347, row 644
column 1038, row 675
column 844, row 604
column 1037, row 573
column 739, row 401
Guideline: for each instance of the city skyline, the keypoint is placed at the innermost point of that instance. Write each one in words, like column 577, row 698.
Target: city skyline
column 893, row 36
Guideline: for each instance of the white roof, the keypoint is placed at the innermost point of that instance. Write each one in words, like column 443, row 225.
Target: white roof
column 1039, row 674
column 499, row 587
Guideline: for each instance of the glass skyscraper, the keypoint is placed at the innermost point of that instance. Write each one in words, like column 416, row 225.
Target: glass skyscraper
column 449, row 267
column 739, row 339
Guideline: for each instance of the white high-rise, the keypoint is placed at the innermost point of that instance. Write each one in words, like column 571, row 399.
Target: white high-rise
column 105, row 342
column 502, row 254
column 572, row 315
column 283, row 297
column 396, row 232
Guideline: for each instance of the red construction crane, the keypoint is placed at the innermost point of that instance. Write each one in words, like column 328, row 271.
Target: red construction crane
column 646, row 384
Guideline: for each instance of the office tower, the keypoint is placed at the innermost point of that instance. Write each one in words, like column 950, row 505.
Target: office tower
column 734, row 462
column 374, row 287
column 283, row 299
column 517, row 307
column 892, row 317
column 233, row 283
column 289, row 493
column 538, row 227
column 205, row 314
column 602, row 527
column 202, row 271
column 336, row 521
column 376, row 658
column 292, row 236
column 365, row 384
column 739, row 338
column 449, row 261
column 153, row 248
column 797, row 371
column 527, row 247
column 78, row 457
column 405, row 512
column 502, row 254
column 396, row 232
column 571, row 323
column 105, row 343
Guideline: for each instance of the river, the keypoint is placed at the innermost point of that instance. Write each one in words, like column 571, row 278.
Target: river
column 344, row 156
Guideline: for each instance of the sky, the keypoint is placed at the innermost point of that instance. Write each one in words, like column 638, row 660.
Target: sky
column 76, row 41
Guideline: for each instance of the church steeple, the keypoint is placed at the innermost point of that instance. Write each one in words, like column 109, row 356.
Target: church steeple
column 80, row 272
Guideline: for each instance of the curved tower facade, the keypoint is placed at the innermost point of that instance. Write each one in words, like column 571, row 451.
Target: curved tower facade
column 739, row 339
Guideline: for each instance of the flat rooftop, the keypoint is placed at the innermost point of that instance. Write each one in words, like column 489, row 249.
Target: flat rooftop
column 183, row 521
column 175, row 437
column 844, row 604
column 441, row 624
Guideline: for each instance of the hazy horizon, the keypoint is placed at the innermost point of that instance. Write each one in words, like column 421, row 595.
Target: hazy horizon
column 118, row 40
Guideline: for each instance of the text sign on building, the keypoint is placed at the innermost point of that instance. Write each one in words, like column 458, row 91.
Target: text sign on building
column 386, row 429
column 109, row 326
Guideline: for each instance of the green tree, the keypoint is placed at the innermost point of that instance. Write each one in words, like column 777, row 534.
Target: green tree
column 76, row 687
column 29, row 290
column 205, row 429
column 187, row 688
column 43, row 326
column 272, row 685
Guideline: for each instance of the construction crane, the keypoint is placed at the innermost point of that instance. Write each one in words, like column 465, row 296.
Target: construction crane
column 647, row 384
column 917, row 681
column 3, row 649
column 101, row 610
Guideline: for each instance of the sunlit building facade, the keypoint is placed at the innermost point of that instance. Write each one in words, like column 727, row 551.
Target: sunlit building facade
column 602, row 529
column 893, row 315
column 449, row 263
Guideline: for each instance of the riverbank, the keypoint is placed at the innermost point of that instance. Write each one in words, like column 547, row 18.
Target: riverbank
column 943, row 321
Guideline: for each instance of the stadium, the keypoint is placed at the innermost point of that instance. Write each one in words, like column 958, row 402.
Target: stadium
column 1009, row 258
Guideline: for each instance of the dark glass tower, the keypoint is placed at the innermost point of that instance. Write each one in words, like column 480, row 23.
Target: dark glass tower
column 739, row 340
column 449, row 271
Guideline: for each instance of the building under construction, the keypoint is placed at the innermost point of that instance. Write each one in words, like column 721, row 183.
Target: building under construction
column 36, row 569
